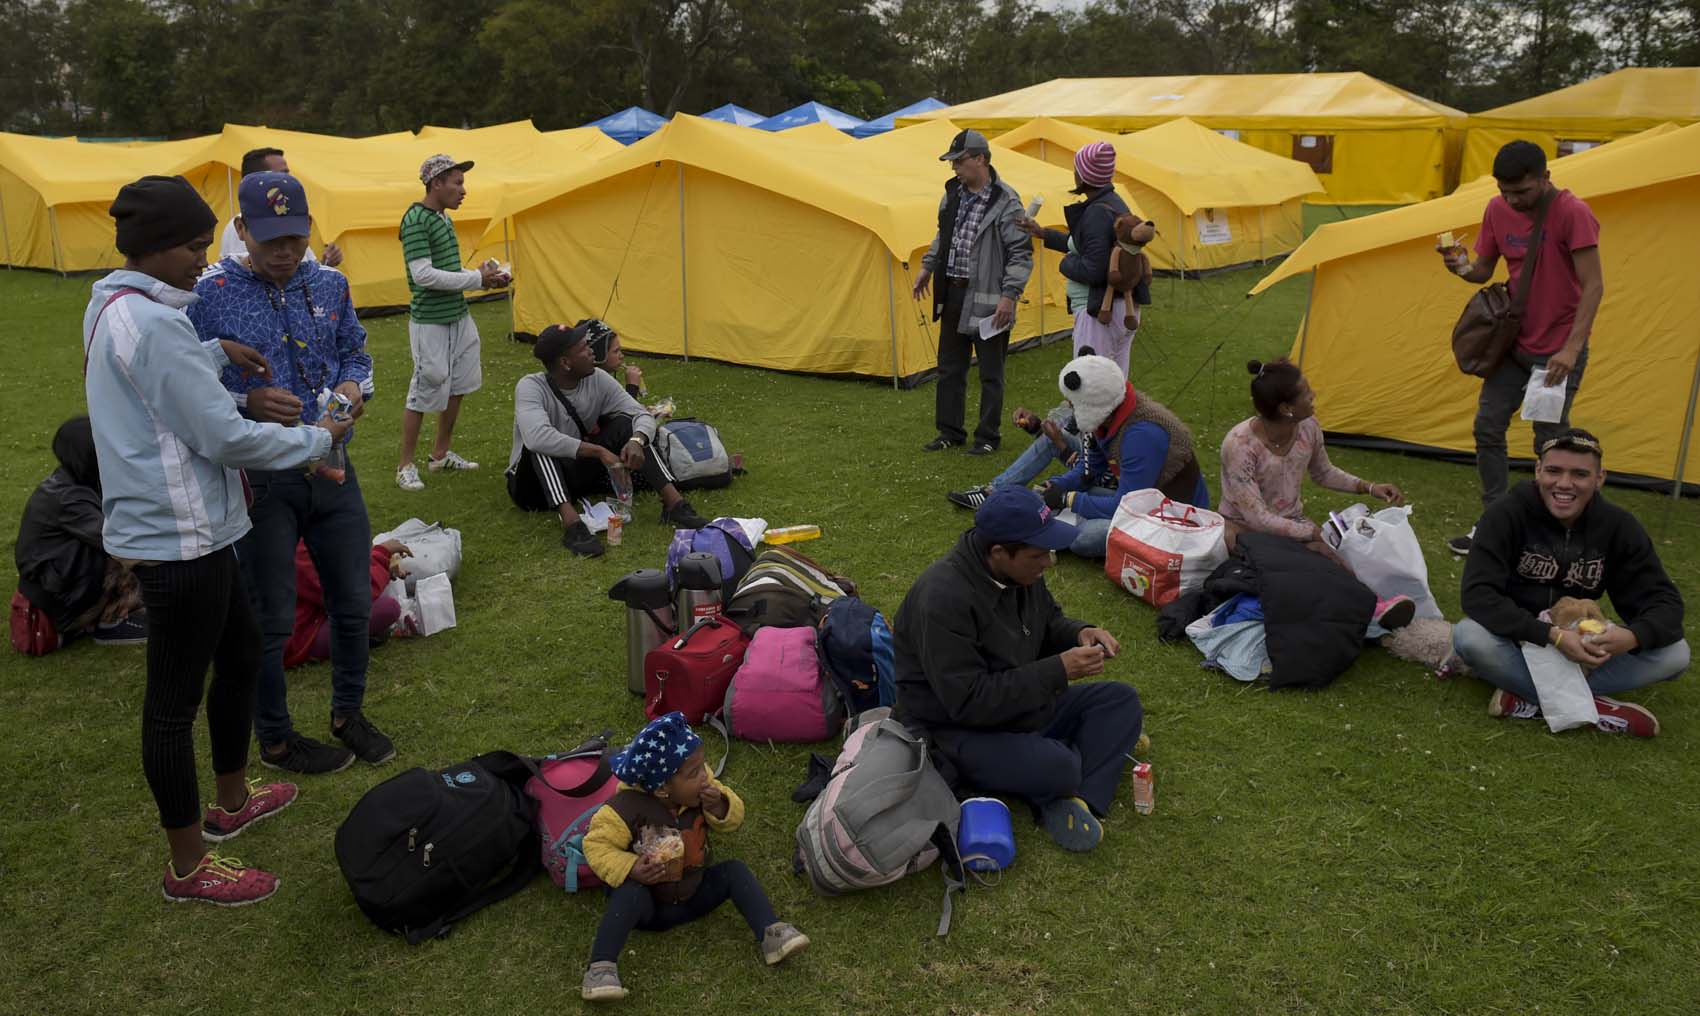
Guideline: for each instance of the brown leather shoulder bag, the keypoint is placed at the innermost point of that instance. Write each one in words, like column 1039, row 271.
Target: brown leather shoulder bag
column 1488, row 328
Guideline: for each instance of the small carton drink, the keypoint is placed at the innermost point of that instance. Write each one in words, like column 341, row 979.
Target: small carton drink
column 1144, row 791
column 616, row 529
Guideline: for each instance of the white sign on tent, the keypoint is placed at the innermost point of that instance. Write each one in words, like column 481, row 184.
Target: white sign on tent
column 1212, row 228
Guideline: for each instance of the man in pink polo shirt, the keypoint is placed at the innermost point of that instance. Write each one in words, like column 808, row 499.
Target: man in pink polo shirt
column 1563, row 298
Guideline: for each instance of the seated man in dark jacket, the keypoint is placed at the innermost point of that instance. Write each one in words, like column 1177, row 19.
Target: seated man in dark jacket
column 1558, row 537
column 63, row 569
column 986, row 661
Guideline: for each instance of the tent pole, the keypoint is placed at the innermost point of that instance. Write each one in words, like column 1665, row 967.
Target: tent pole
column 1687, row 432
column 5, row 231
column 508, row 253
column 684, row 299
column 58, row 258
column 1304, row 325
column 891, row 308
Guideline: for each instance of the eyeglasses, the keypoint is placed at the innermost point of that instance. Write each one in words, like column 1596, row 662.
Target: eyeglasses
column 1572, row 443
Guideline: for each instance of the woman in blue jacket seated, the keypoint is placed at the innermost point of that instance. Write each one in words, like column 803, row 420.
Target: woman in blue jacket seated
column 1132, row 442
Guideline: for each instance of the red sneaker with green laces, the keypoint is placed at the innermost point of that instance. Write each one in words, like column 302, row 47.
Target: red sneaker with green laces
column 218, row 825
column 224, row 881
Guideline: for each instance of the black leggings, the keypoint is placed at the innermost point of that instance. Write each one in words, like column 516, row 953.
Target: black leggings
column 198, row 614
column 632, row 906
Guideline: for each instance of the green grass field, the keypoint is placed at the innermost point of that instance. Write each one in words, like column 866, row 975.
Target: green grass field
column 1380, row 846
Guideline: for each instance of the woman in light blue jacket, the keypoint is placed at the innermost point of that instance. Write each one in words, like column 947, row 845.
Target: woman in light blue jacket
column 170, row 441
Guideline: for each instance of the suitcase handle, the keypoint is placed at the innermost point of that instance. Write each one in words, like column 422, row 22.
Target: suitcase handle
column 702, row 622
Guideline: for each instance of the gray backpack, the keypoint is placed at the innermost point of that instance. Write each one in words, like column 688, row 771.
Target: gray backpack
column 694, row 453
column 885, row 813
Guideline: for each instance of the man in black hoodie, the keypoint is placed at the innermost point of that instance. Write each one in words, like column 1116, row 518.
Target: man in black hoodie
column 63, row 568
column 986, row 663
column 1558, row 537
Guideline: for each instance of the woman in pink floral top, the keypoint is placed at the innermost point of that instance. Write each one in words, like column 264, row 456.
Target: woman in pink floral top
column 1264, row 460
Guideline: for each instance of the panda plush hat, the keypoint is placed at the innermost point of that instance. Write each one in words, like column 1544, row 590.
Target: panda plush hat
column 1095, row 387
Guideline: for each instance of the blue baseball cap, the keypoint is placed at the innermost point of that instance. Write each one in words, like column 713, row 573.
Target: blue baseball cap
column 1017, row 515
column 273, row 205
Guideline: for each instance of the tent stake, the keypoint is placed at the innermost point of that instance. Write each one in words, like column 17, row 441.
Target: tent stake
column 684, row 298
column 891, row 308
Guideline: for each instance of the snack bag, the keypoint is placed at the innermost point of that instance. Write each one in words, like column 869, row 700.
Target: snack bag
column 665, row 846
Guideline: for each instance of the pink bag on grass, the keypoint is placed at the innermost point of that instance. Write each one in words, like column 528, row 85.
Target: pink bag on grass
column 781, row 692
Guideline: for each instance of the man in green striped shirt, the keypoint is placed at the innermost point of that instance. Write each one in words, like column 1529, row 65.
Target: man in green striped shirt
column 440, row 330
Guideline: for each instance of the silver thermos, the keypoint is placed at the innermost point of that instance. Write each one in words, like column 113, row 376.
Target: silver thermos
column 649, row 619
column 699, row 593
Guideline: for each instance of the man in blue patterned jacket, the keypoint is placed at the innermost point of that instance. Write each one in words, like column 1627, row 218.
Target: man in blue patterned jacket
column 298, row 316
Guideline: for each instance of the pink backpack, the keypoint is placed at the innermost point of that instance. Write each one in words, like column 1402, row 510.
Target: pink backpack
column 568, row 789
column 781, row 692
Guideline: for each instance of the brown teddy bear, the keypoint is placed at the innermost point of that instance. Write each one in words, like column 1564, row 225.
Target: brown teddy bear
column 1129, row 266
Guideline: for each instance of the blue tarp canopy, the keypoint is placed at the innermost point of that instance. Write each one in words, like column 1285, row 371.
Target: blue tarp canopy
column 734, row 113
column 629, row 124
column 888, row 121
column 807, row 113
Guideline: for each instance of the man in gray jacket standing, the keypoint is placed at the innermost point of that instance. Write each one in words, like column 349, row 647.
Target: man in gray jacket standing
column 574, row 425
column 984, row 259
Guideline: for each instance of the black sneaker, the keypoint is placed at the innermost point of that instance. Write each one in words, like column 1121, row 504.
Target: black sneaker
column 580, row 540
column 939, row 444
column 1460, row 545
column 128, row 631
column 982, row 448
column 308, row 757
column 971, row 499
column 367, row 742
column 682, row 516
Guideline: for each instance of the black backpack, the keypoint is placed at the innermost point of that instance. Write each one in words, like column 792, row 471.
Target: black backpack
column 425, row 849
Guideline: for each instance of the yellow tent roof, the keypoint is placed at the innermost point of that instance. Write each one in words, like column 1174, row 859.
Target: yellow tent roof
column 1275, row 101
column 65, row 171
column 1651, row 157
column 1193, row 166
column 1630, row 99
column 889, row 184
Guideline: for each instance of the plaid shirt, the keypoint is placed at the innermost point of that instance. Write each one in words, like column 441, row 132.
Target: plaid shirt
column 969, row 211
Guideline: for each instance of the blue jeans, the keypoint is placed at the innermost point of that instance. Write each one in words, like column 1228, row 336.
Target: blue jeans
column 1500, row 663
column 1032, row 463
column 1092, row 538
column 632, row 907
column 290, row 506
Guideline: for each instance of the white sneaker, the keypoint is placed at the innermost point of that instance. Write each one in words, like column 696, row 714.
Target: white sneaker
column 407, row 478
column 450, row 460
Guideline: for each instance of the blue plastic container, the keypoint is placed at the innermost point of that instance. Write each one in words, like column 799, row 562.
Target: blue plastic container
column 985, row 836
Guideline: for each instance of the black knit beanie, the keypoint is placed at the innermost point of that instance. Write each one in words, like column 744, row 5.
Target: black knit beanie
column 158, row 213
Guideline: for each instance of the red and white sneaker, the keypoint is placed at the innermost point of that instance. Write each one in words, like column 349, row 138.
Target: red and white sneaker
column 1625, row 718
column 223, row 881
column 1503, row 704
column 218, row 825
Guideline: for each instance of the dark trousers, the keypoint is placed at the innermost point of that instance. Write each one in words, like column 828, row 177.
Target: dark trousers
column 289, row 507
column 544, row 482
column 955, row 348
column 1081, row 753
column 632, row 906
column 198, row 614
column 1502, row 396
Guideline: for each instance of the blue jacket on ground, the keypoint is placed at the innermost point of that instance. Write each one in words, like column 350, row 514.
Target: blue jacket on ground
column 165, row 431
column 1144, row 448
column 307, row 330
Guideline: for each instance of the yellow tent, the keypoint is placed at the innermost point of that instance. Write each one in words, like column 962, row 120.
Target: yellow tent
column 1583, row 116
column 1369, row 142
column 54, row 194
column 1375, row 341
column 705, row 239
column 1217, row 203
column 359, row 188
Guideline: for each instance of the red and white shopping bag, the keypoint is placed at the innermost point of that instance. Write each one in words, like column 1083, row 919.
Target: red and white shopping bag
column 1161, row 548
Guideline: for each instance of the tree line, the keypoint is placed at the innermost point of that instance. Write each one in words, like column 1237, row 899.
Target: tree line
column 174, row 68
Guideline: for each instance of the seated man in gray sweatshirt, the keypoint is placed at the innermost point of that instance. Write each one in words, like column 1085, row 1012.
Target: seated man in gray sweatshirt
column 573, row 426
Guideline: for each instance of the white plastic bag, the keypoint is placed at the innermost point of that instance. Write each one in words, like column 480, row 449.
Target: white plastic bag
column 1159, row 549
column 436, row 550
column 1566, row 699
column 436, row 604
column 1383, row 551
column 1542, row 403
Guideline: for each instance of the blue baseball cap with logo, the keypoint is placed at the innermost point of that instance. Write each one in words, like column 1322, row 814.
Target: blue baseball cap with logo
column 1017, row 515
column 273, row 205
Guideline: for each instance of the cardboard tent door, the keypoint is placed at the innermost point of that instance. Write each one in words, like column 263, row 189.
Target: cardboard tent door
column 1387, row 146
column 1594, row 112
column 1217, row 203
column 709, row 240
column 1376, row 340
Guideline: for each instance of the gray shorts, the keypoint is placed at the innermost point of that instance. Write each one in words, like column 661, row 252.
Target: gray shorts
column 445, row 363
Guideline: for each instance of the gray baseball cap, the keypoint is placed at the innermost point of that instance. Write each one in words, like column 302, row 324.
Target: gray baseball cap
column 439, row 164
column 967, row 142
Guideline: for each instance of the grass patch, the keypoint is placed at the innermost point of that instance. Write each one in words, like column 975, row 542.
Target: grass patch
column 1380, row 846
